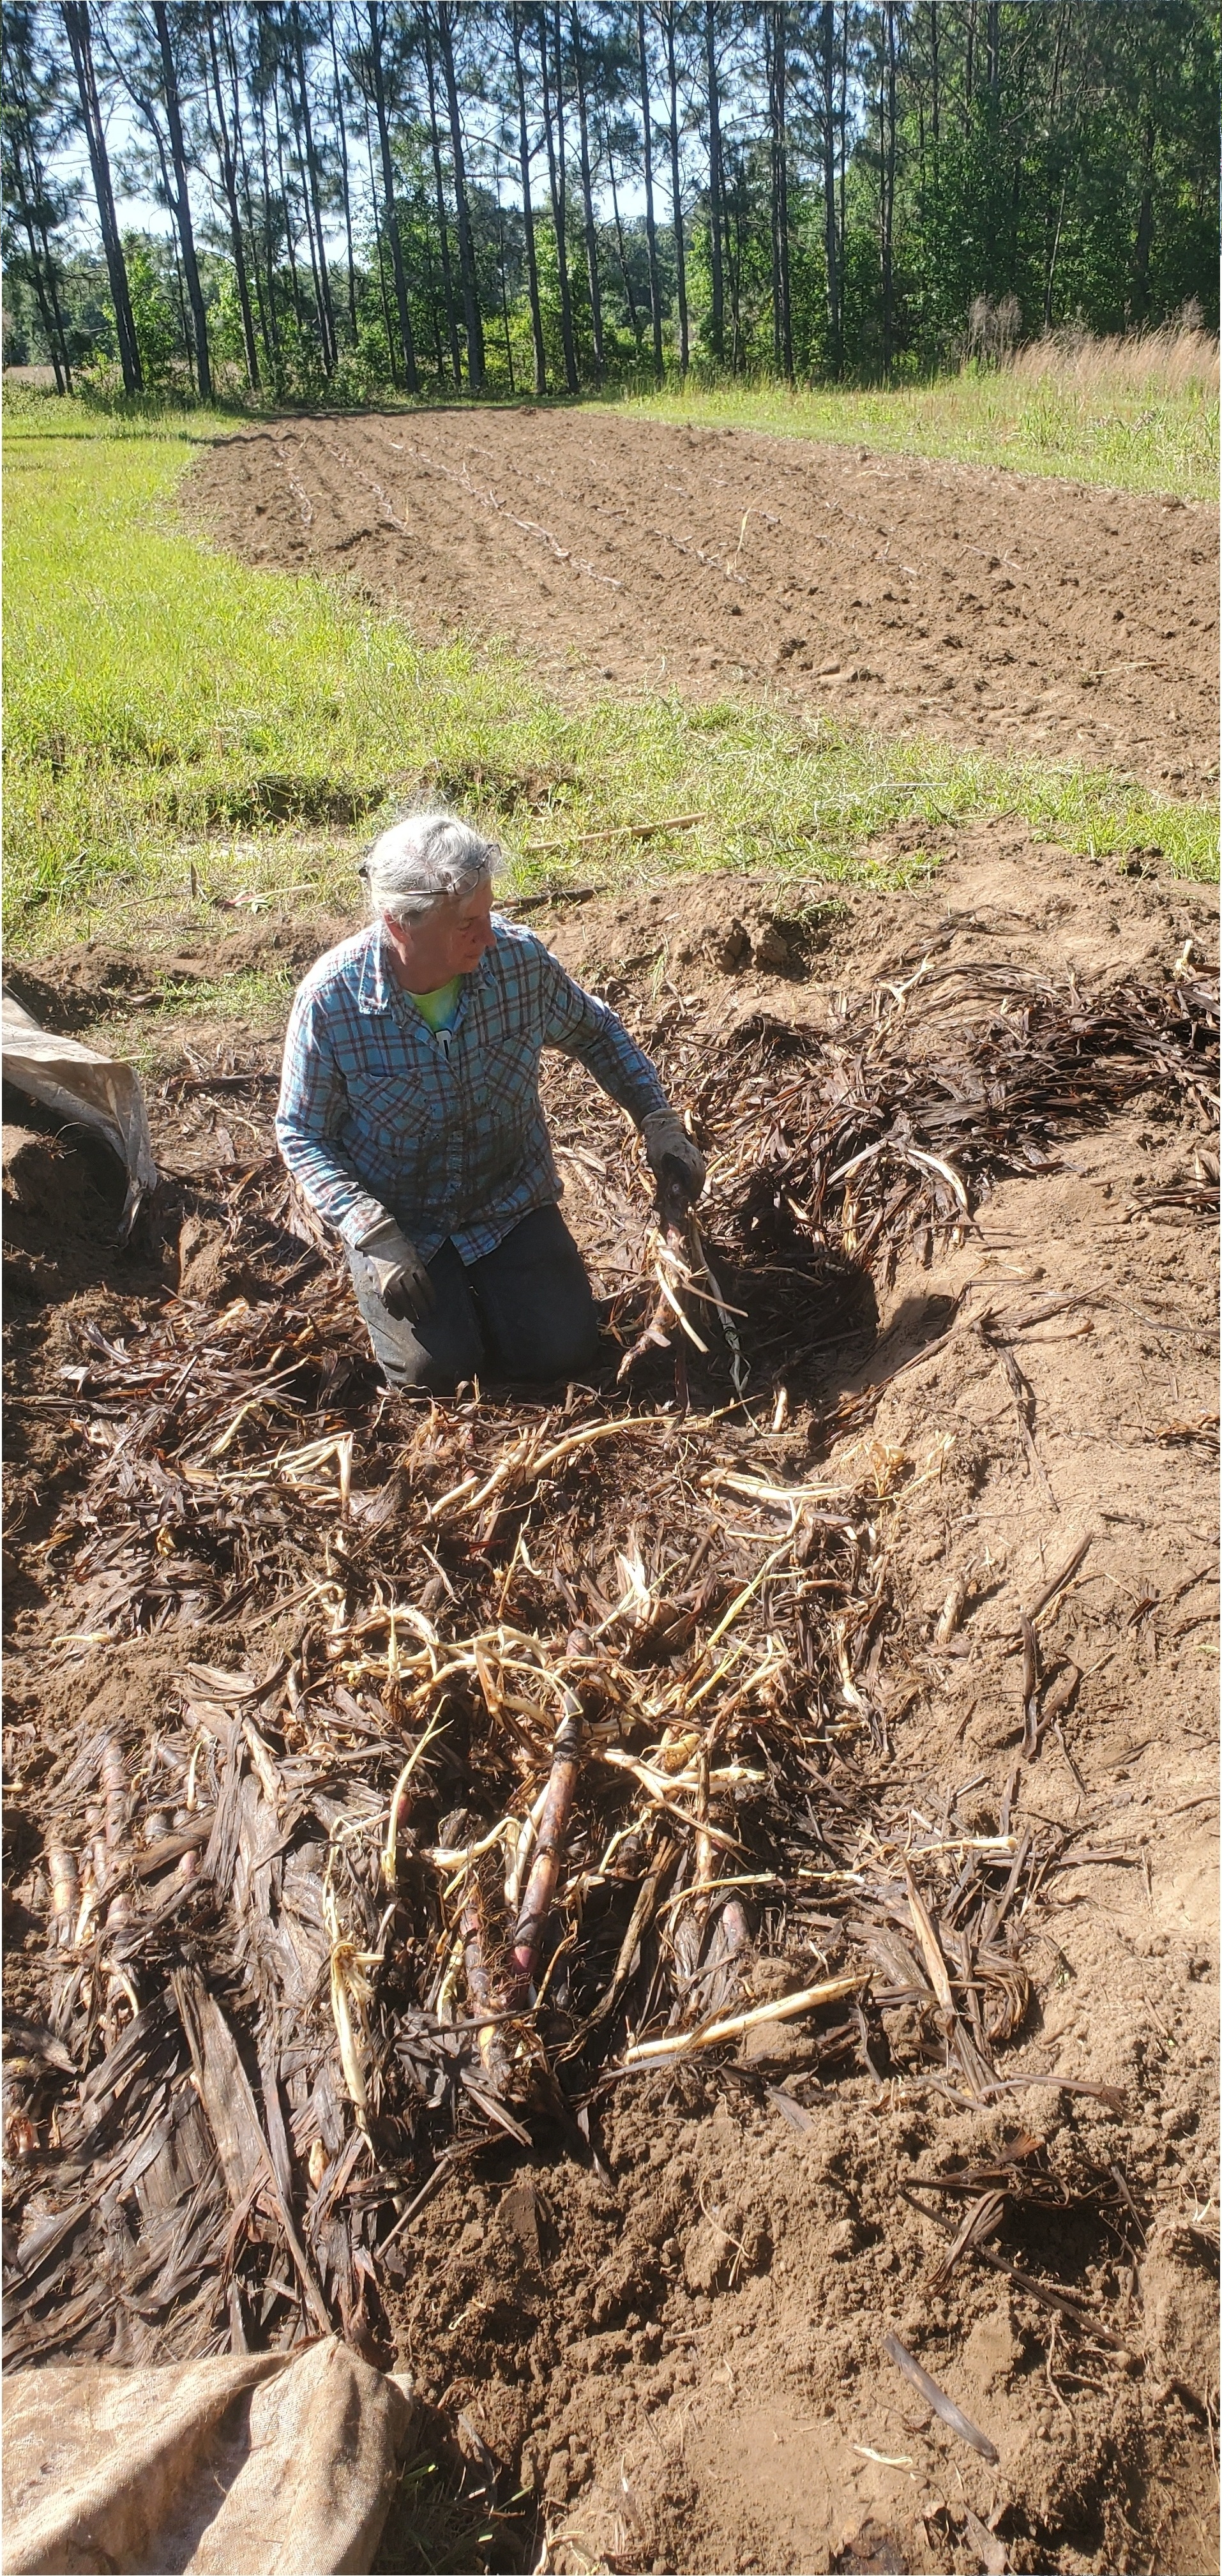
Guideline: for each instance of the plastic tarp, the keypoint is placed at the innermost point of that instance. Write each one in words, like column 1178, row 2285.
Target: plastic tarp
column 101, row 1091
column 266, row 2464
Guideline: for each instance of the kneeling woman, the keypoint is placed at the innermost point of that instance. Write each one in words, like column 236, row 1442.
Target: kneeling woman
column 410, row 1116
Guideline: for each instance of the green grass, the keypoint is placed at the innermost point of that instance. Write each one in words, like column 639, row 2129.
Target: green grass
column 1143, row 437
column 179, row 726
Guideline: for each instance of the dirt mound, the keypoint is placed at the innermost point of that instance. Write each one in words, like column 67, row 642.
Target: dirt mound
column 659, row 2345
column 79, row 988
column 735, row 941
column 983, row 608
column 681, row 2347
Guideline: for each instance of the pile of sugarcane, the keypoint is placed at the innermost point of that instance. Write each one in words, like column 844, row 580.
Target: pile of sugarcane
column 554, row 1725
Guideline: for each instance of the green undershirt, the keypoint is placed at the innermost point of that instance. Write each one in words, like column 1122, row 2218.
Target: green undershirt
column 440, row 1009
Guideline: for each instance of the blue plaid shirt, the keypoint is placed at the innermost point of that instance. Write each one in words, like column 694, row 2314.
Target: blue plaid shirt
column 443, row 1132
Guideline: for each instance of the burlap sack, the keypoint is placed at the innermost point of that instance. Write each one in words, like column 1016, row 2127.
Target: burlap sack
column 264, row 2465
column 98, row 1091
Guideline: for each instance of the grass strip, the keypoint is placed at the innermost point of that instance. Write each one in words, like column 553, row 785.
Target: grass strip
column 179, row 725
column 1132, row 438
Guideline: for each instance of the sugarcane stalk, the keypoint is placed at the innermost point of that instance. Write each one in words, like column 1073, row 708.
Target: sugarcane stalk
column 549, row 1845
column 525, row 1845
column 493, row 2053
column 785, row 2008
column 114, row 1792
column 65, row 1895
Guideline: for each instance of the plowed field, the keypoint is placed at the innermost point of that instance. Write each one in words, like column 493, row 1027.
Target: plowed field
column 991, row 610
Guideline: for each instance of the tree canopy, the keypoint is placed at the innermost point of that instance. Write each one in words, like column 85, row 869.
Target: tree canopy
column 342, row 197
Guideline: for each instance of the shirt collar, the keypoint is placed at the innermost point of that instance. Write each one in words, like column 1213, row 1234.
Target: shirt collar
column 377, row 984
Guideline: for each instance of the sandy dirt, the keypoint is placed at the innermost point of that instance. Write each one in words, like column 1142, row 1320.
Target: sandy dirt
column 668, row 2356
column 994, row 611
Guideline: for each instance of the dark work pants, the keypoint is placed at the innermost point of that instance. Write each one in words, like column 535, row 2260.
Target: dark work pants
column 525, row 1310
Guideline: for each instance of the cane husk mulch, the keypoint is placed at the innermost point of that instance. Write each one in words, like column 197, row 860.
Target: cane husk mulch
column 579, row 1759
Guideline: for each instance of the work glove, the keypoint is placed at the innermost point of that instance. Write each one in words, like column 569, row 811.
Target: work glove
column 667, row 1143
column 403, row 1282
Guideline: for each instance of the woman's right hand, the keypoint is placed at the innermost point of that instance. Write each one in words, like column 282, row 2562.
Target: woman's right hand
column 403, row 1281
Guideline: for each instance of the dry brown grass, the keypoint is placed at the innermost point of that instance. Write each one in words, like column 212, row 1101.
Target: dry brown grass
column 1177, row 358
column 1138, row 412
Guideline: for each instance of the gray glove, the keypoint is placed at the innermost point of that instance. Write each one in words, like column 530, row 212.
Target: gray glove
column 666, row 1140
column 404, row 1285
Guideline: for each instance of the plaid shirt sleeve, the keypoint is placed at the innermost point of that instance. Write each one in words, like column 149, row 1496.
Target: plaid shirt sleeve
column 324, row 1035
column 580, row 1025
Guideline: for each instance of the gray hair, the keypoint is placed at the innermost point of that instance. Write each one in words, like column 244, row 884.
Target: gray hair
column 430, row 859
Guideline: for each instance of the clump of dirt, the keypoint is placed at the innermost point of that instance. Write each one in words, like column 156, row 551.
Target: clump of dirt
column 63, row 1198
column 660, row 2346
column 983, row 608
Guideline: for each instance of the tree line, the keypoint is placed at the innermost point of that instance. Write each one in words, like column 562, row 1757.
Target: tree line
column 347, row 197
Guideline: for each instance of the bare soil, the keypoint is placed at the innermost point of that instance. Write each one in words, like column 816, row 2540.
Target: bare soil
column 668, row 2355
column 994, row 611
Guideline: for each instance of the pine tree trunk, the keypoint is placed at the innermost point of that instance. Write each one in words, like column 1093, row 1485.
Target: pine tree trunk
column 843, row 121
column 888, row 188
column 229, row 182
column 782, row 332
column 466, row 242
column 59, row 366
column 651, row 235
column 933, row 222
column 57, row 337
column 444, row 377
column 624, row 269
column 388, row 199
column 1051, row 264
column 773, row 228
column 273, row 328
column 556, row 180
column 717, row 316
column 76, row 23
column 504, row 288
column 783, row 108
column 326, row 312
column 1140, row 299
column 827, row 42
column 587, row 199
column 447, row 281
column 182, row 208
column 289, row 243
column 528, row 212
column 184, row 318
column 31, row 197
column 59, row 333
column 315, row 274
column 1053, row 221
column 345, row 179
column 378, row 231
column 676, row 199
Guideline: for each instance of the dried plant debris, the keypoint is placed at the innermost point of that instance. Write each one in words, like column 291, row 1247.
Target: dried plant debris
column 574, row 1749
